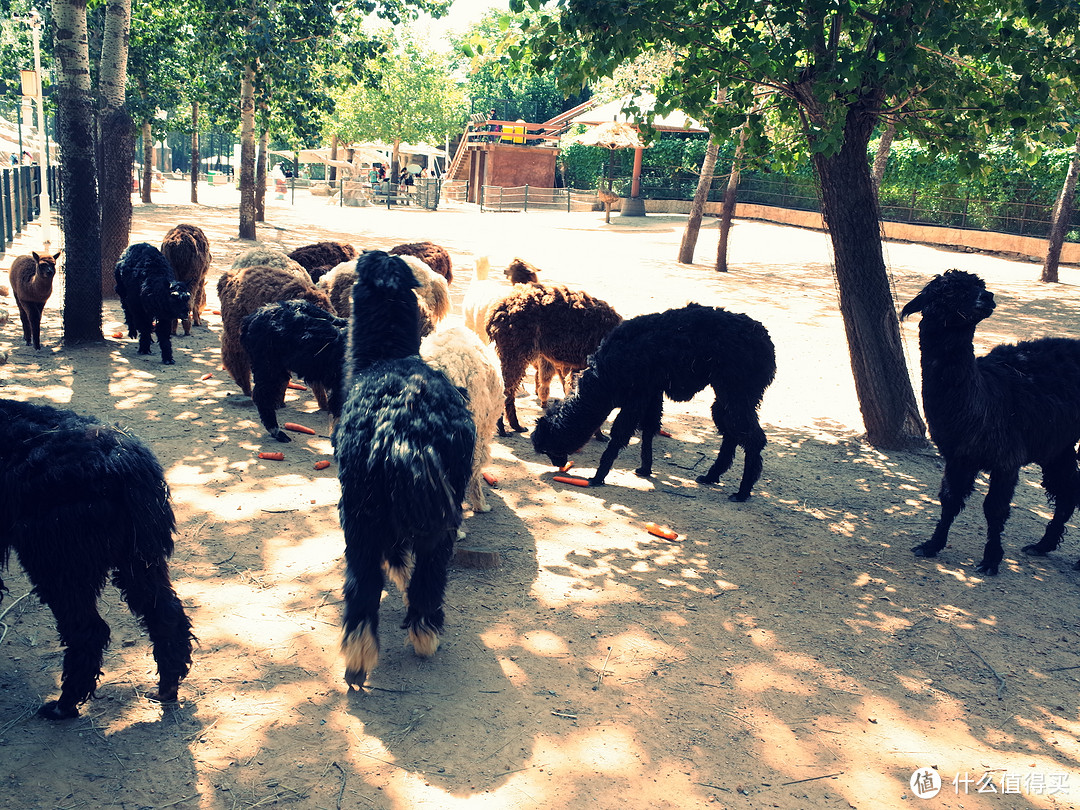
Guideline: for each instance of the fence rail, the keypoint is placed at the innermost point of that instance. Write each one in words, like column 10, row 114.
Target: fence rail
column 20, row 199
column 523, row 198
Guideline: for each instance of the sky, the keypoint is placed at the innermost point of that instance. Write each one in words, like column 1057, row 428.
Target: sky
column 463, row 13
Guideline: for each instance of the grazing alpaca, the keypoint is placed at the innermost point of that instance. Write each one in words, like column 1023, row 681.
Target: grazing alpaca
column 321, row 257
column 80, row 501
column 267, row 257
column 31, row 285
column 675, row 353
column 292, row 337
column 540, row 321
column 433, row 291
column 1017, row 405
column 404, row 448
column 472, row 365
column 434, row 256
column 242, row 292
column 187, row 249
column 151, row 297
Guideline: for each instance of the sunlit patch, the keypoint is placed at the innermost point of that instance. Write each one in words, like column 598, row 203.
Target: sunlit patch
column 757, row 678
column 513, row 673
column 544, row 643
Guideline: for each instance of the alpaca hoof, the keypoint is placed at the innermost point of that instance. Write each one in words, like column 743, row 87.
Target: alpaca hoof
column 1038, row 549
column 1076, row 566
column 169, row 362
column 738, row 497
column 280, row 435
column 642, row 472
column 144, row 351
column 987, row 569
column 599, row 436
column 424, row 640
column 704, row 479
column 924, row 551
column 170, row 694
column 54, row 711
column 596, row 482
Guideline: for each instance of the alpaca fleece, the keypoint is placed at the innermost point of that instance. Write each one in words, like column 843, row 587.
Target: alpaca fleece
column 676, row 353
column 434, row 256
column 151, row 297
column 31, row 280
column 544, row 321
column 1019, row 404
column 473, row 366
column 267, row 257
column 187, row 249
column 243, row 291
column 292, row 337
column 404, row 447
column 321, row 257
column 79, row 502
column 433, row 292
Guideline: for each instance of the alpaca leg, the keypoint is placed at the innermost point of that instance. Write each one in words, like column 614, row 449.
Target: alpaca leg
column 85, row 635
column 235, row 361
column 321, row 395
column 24, row 316
column 149, row 593
column 363, row 591
column 474, row 495
column 269, row 386
column 1061, row 480
column 996, row 508
column 513, row 373
column 35, row 310
column 198, row 302
column 956, row 485
column 427, row 587
column 545, row 371
column 728, row 444
column 165, row 342
column 622, row 430
column 650, row 425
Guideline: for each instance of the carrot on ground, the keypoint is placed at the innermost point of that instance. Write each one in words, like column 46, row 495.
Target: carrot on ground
column 661, row 531
column 491, row 479
column 663, row 432
column 298, row 428
column 566, row 479
column 322, row 464
column 295, row 386
column 117, row 334
column 566, row 466
column 272, row 456
column 206, row 376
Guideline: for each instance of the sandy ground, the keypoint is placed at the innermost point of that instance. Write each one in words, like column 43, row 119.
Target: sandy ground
column 786, row 652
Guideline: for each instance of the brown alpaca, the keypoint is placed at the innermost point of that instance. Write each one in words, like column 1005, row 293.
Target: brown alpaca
column 540, row 321
column 243, row 291
column 322, row 257
column 187, row 249
column 31, row 284
column 434, row 256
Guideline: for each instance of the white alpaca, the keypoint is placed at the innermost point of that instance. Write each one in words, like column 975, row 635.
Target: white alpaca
column 433, row 292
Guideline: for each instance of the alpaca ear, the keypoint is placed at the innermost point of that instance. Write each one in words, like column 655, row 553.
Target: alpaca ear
column 912, row 306
column 57, row 254
column 37, row 259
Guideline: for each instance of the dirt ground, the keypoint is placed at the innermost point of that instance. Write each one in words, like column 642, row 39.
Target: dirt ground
column 786, row 652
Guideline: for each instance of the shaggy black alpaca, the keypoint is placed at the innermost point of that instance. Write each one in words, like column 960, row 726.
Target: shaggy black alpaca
column 677, row 353
column 292, row 337
column 79, row 501
column 1017, row 405
column 151, row 296
column 404, row 447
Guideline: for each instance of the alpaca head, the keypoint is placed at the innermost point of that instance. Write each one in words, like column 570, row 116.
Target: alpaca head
column 544, row 442
column 179, row 300
column 954, row 299
column 520, row 271
column 45, row 265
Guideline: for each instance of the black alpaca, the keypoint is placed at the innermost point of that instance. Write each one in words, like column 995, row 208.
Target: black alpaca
column 292, row 337
column 79, row 501
column 151, row 297
column 404, row 447
column 677, row 353
column 1017, row 405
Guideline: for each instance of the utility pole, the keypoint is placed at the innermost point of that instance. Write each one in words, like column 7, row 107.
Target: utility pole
column 43, row 138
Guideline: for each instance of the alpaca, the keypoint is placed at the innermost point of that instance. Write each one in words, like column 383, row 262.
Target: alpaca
column 1019, row 404
column 675, row 353
column 31, row 285
column 472, row 365
column 151, row 297
column 321, row 257
column 80, row 500
column 187, row 250
column 292, row 337
column 433, row 293
column 404, row 447
column 434, row 256
column 543, row 321
column 267, row 257
column 244, row 291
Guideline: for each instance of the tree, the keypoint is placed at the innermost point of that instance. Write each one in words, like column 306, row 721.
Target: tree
column 833, row 68
column 1063, row 209
column 116, row 140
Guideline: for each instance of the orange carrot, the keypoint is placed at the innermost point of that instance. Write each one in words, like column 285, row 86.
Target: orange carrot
column 661, row 531
column 272, row 456
column 566, row 479
column 117, row 334
column 295, row 386
column 298, row 428
column 216, row 311
column 566, row 466
column 491, row 479
column 206, row 376
column 663, row 432
column 322, row 464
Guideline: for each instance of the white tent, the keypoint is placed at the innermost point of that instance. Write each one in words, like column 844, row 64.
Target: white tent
column 675, row 121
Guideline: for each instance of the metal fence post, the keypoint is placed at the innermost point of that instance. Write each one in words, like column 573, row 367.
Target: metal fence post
column 526, row 206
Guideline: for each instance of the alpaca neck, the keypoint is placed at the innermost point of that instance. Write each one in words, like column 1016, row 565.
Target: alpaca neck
column 582, row 413
column 386, row 329
column 953, row 387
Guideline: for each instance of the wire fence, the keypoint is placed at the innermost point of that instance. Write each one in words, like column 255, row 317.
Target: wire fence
column 20, row 199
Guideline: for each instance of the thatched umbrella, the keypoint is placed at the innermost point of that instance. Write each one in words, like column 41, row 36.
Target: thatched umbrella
column 610, row 135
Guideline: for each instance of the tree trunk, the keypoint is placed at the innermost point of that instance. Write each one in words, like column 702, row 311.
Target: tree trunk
column 117, row 141
column 80, row 217
column 331, row 175
column 147, row 161
column 697, row 207
column 260, row 176
column 849, row 205
column 1063, row 210
column 727, row 211
column 881, row 159
column 195, row 152
column 247, row 153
